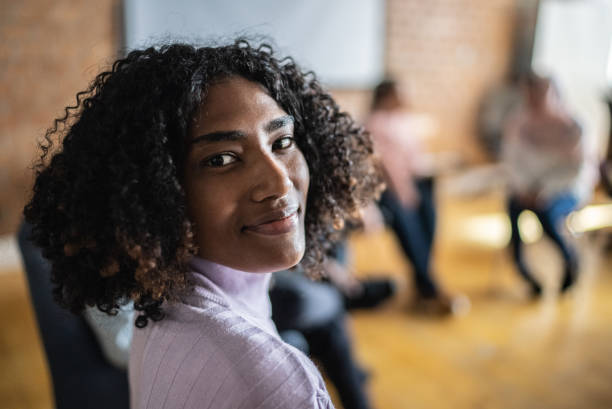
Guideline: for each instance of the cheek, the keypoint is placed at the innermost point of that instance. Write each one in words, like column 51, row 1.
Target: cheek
column 211, row 210
column 301, row 178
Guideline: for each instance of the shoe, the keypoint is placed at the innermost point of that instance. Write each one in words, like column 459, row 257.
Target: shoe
column 570, row 276
column 568, row 281
column 363, row 375
column 442, row 305
column 374, row 292
column 535, row 290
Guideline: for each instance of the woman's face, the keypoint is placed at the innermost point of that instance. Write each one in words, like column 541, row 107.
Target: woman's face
column 246, row 180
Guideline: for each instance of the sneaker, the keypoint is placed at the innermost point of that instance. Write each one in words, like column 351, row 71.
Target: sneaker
column 535, row 290
column 570, row 276
column 442, row 305
column 374, row 292
column 568, row 280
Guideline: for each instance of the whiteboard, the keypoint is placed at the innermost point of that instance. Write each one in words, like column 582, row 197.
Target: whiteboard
column 572, row 44
column 341, row 40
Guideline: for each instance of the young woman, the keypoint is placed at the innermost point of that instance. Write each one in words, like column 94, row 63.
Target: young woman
column 550, row 172
column 185, row 176
column 409, row 201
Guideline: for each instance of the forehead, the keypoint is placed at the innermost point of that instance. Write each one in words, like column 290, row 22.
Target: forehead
column 234, row 103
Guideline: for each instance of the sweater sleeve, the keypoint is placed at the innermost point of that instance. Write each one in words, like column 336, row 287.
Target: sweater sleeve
column 271, row 375
column 222, row 362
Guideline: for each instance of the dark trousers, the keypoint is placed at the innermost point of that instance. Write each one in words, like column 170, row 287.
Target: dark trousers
column 316, row 310
column 415, row 229
column 551, row 217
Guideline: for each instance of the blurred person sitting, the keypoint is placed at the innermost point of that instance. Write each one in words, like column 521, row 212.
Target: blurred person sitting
column 545, row 158
column 605, row 166
column 315, row 311
column 408, row 204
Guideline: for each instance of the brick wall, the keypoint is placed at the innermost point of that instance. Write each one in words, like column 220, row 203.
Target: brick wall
column 446, row 51
column 49, row 49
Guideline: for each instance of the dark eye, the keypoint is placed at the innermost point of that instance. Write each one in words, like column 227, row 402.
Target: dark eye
column 219, row 161
column 283, row 143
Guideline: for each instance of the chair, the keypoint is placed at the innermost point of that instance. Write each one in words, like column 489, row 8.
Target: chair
column 80, row 374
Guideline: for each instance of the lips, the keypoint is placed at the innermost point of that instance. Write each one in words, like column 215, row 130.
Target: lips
column 275, row 222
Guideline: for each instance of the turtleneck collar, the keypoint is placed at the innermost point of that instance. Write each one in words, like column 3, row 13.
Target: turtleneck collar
column 242, row 291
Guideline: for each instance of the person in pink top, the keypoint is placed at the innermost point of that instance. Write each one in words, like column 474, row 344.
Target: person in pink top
column 408, row 204
column 184, row 177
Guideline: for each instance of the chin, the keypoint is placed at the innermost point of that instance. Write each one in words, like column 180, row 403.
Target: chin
column 286, row 262
column 294, row 261
column 279, row 259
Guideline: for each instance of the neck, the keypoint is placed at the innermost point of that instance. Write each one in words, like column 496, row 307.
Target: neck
column 243, row 290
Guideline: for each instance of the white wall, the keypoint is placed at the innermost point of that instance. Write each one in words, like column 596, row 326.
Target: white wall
column 573, row 40
column 341, row 40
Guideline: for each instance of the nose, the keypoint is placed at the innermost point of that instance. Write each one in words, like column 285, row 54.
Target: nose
column 271, row 179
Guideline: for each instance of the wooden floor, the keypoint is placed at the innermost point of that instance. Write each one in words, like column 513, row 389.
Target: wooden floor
column 24, row 379
column 507, row 352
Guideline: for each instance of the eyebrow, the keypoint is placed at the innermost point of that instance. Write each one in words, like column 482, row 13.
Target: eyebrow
column 279, row 123
column 221, row 136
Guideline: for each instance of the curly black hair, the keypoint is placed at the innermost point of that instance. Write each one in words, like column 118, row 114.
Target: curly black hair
column 108, row 207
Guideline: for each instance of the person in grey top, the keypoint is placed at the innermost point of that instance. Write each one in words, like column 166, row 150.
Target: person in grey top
column 550, row 171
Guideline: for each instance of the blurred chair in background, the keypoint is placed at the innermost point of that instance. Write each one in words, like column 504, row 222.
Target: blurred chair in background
column 81, row 375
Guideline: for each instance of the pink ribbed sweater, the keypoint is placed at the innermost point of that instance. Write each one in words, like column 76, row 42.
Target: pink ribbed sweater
column 219, row 349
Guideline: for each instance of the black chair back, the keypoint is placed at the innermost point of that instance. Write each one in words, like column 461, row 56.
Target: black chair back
column 81, row 375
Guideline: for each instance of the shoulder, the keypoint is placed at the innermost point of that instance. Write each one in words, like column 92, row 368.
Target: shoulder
column 223, row 359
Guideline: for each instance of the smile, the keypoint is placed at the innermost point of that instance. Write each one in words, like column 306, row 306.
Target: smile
column 276, row 223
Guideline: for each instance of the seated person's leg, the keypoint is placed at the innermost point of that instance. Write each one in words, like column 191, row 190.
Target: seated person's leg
column 427, row 207
column 299, row 303
column 331, row 345
column 413, row 240
column 552, row 218
column 316, row 310
column 514, row 211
